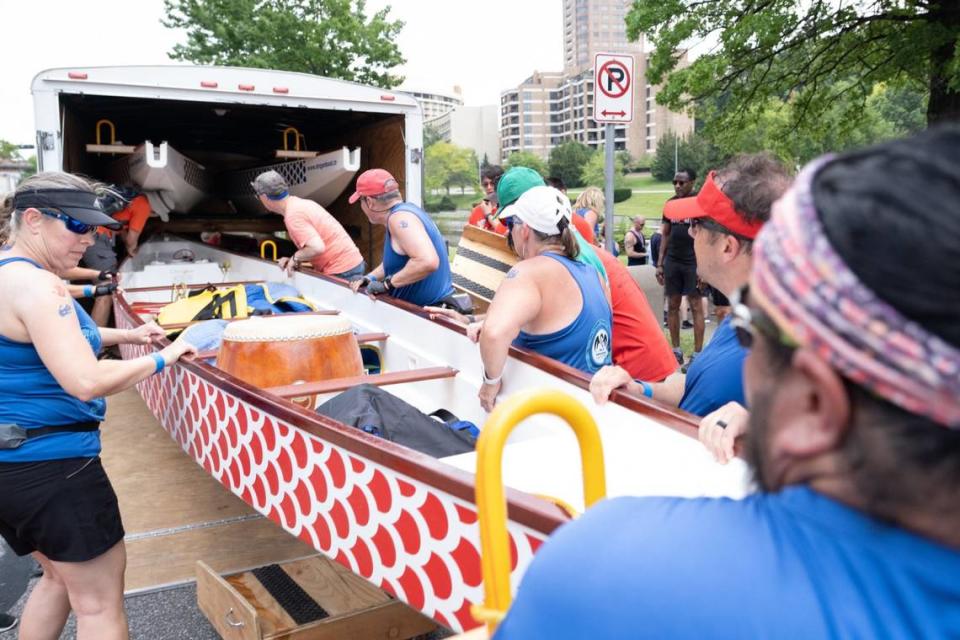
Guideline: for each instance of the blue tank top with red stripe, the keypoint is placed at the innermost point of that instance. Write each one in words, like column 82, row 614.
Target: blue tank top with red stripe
column 31, row 397
column 585, row 342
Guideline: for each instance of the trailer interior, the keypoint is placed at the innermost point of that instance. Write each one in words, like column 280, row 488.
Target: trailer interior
column 225, row 136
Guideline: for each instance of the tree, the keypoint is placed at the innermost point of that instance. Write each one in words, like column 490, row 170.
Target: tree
column 332, row 38
column 626, row 159
column 568, row 160
column 430, row 135
column 818, row 53
column 447, row 165
column 526, row 159
column 693, row 152
column 594, row 174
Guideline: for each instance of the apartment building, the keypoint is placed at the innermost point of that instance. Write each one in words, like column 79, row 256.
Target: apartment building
column 550, row 108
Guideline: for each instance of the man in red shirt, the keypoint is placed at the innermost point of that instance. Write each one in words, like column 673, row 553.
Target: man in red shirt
column 484, row 215
column 320, row 239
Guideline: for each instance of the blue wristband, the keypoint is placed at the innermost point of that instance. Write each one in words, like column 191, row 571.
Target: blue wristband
column 647, row 389
column 159, row 361
column 88, row 291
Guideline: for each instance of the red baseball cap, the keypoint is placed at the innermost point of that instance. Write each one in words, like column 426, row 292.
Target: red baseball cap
column 711, row 203
column 374, row 182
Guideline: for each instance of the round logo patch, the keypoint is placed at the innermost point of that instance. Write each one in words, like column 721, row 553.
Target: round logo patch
column 600, row 345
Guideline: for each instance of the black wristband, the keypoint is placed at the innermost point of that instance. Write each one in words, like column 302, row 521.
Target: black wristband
column 388, row 283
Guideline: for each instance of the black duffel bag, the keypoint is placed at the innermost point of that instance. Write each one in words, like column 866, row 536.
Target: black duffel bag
column 375, row 411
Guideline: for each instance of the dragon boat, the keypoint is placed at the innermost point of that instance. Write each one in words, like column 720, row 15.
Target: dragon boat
column 403, row 520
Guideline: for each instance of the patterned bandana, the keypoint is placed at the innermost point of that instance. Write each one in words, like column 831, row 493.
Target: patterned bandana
column 814, row 297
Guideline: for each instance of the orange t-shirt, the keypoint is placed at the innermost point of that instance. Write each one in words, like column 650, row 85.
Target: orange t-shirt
column 134, row 215
column 477, row 219
column 306, row 220
column 584, row 228
column 639, row 345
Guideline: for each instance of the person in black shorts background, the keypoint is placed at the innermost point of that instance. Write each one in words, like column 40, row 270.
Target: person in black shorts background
column 677, row 270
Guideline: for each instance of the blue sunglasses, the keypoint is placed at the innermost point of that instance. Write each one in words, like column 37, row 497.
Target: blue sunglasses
column 80, row 228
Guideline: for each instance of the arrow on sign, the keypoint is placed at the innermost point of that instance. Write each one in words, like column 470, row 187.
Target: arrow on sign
column 613, row 113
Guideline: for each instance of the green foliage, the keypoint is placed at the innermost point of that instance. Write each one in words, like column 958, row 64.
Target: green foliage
column 627, row 160
column 594, row 173
column 694, row 152
column 823, row 57
column 430, row 136
column 447, row 165
column 622, row 195
column 9, row 151
column 568, row 160
column 332, row 38
column 526, row 159
column 446, row 203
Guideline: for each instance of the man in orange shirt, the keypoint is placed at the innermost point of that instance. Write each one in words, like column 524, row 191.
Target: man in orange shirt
column 132, row 209
column 320, row 239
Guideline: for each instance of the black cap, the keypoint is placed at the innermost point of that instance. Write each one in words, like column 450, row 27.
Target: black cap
column 83, row 206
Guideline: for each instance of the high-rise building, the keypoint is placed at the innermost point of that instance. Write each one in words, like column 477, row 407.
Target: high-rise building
column 476, row 128
column 436, row 104
column 550, row 108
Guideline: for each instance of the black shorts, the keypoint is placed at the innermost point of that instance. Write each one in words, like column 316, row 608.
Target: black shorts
column 679, row 279
column 102, row 254
column 65, row 509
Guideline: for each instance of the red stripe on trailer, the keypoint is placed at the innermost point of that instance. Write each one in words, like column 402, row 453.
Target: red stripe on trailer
column 208, row 84
column 245, row 87
column 281, row 90
column 77, row 75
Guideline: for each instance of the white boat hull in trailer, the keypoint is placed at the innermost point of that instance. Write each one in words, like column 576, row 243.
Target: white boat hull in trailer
column 321, row 179
column 170, row 180
column 403, row 520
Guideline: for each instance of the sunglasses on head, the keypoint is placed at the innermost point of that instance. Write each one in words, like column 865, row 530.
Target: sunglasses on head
column 77, row 227
column 747, row 322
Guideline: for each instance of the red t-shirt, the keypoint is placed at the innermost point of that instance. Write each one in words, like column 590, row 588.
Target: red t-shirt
column 477, row 219
column 639, row 345
column 584, row 228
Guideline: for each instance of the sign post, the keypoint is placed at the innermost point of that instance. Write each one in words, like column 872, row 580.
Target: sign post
column 612, row 104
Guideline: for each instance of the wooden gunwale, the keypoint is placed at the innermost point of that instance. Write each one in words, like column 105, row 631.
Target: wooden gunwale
column 522, row 508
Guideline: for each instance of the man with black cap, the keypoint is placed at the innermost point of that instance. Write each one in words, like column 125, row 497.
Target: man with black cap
column 320, row 239
column 724, row 218
column 415, row 266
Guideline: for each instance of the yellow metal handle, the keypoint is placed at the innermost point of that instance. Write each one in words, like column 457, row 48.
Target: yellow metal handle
column 113, row 130
column 491, row 502
column 263, row 249
column 296, row 138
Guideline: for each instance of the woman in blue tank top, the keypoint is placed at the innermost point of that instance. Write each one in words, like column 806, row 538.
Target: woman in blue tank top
column 56, row 502
column 549, row 302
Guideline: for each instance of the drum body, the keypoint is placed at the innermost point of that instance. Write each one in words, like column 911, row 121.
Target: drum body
column 281, row 350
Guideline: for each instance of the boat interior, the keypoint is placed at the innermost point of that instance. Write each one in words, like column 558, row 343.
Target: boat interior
column 431, row 364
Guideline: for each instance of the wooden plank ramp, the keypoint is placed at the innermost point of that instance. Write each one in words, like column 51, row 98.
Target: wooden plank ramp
column 173, row 512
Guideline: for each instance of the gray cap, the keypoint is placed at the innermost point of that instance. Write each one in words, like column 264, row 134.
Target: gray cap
column 270, row 184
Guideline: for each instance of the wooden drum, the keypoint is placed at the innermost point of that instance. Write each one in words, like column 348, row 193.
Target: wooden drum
column 281, row 350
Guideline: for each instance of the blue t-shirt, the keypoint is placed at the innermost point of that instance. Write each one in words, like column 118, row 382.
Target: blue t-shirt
column 31, row 397
column 789, row 565
column 716, row 376
column 436, row 286
column 584, row 343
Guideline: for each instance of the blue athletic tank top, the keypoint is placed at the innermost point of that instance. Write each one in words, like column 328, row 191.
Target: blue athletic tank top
column 435, row 287
column 585, row 342
column 31, row 397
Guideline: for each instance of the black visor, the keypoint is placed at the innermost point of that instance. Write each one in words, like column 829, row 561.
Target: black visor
column 83, row 206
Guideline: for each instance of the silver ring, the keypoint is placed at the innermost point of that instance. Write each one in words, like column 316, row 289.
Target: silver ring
column 722, row 424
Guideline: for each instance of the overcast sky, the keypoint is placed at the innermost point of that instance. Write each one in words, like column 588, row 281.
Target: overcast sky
column 483, row 46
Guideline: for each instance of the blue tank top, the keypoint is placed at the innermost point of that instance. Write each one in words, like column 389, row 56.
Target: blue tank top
column 31, row 397
column 435, row 287
column 585, row 342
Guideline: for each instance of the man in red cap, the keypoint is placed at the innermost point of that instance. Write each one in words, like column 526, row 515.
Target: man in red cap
column 724, row 219
column 416, row 266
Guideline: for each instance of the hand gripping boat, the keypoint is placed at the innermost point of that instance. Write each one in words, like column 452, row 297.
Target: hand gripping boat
column 403, row 520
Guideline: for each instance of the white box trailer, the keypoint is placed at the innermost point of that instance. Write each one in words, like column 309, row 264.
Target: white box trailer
column 226, row 119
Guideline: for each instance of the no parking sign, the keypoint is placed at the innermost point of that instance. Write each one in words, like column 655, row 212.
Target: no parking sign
column 613, row 88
